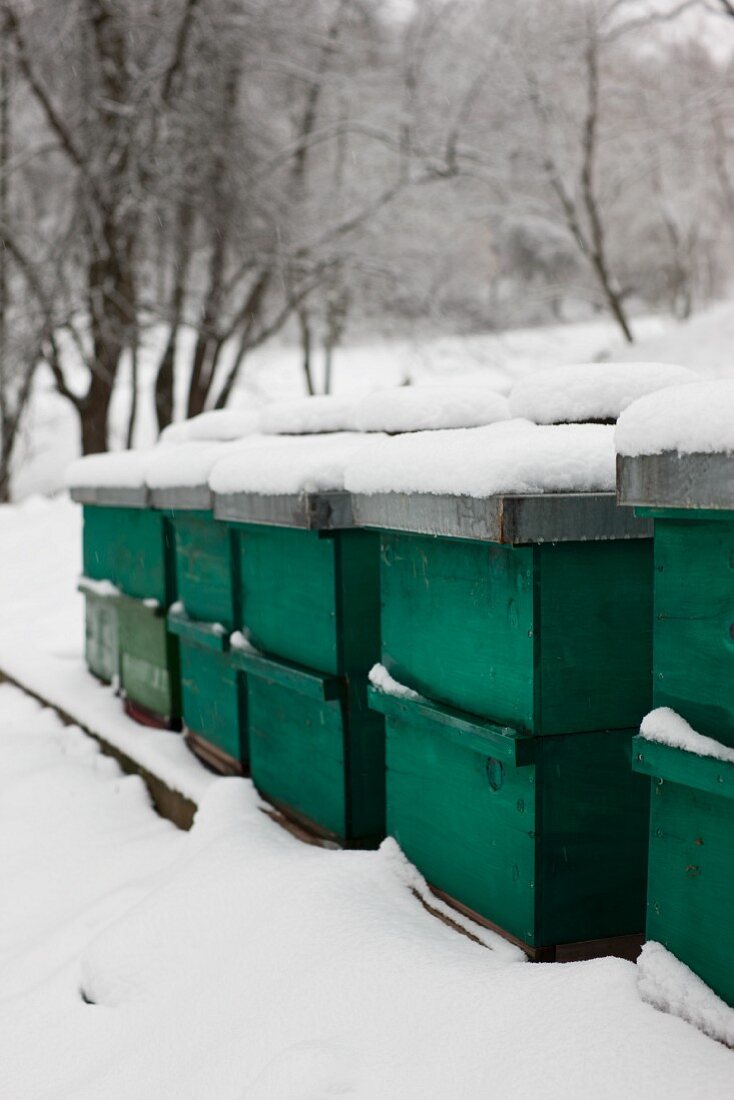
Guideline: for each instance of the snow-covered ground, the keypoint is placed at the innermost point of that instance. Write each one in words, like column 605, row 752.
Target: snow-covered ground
column 236, row 962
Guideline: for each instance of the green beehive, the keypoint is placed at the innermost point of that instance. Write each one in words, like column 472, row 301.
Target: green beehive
column 521, row 624
column 128, row 582
column 691, row 845
column 213, row 691
column 308, row 585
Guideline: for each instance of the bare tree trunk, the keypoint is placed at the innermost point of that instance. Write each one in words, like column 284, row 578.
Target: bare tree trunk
column 134, row 393
column 5, row 447
column 306, row 348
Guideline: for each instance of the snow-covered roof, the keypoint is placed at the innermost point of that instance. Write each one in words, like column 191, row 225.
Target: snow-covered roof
column 112, row 469
column 288, row 464
column 425, row 408
column 308, row 415
column 691, row 419
column 218, row 425
column 510, row 457
column 590, row 391
column 189, row 464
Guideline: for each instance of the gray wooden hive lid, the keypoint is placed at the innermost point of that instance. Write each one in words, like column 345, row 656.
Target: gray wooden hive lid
column 674, row 480
column 112, row 496
column 512, row 519
column 184, row 498
column 322, row 511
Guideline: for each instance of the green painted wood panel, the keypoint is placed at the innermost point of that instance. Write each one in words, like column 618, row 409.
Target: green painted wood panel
column 322, row 761
column 311, row 597
column 149, row 671
column 133, row 548
column 694, row 623
column 213, row 699
column 592, row 851
column 204, row 578
column 594, row 634
column 552, row 852
column 458, row 621
column 549, row 639
column 101, row 648
column 690, row 886
column 297, row 754
column 466, row 820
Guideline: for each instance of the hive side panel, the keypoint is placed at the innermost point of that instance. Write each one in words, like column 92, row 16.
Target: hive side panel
column 593, row 825
column 204, row 567
column 457, row 623
column 595, row 635
column 467, row 821
column 296, row 754
column 691, row 886
column 694, row 623
column 288, row 594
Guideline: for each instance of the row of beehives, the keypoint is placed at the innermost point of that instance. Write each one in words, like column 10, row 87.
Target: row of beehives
column 519, row 641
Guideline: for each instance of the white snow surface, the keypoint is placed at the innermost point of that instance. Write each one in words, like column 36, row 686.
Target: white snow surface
column 689, row 419
column 667, row 727
column 510, row 457
column 381, row 678
column 113, row 469
column 219, row 425
column 424, row 408
column 307, row 415
column 590, row 391
column 235, row 962
column 289, row 464
column 188, row 465
column 668, row 984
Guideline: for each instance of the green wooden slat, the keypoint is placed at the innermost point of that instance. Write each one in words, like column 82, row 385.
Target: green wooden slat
column 204, row 567
column 149, row 671
column 208, row 635
column 594, row 635
column 130, row 547
column 297, row 752
column 592, row 827
column 690, row 882
column 213, row 699
column 310, row 597
column 311, row 685
column 694, row 624
column 466, row 819
column 101, row 642
column 703, row 773
column 458, row 621
column 502, row 742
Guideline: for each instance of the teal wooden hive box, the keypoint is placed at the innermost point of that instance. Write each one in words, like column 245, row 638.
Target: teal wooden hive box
column 521, row 626
column 128, row 582
column 309, row 590
column 691, row 836
column 213, row 691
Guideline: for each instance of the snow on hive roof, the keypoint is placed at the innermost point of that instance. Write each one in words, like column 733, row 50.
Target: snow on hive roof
column 590, row 391
column 511, row 457
column 289, row 464
column 219, row 425
column 306, row 415
column 112, row 469
column 693, row 419
column 424, row 408
column 189, row 464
